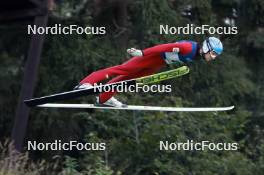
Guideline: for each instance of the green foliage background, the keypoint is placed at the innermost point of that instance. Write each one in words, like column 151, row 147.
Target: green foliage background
column 132, row 138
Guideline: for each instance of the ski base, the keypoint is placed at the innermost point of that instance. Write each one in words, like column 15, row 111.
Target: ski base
column 138, row 108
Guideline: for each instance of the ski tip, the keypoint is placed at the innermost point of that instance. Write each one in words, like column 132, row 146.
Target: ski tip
column 231, row 107
column 26, row 102
column 29, row 103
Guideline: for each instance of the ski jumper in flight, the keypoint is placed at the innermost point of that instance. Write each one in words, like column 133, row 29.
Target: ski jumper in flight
column 149, row 61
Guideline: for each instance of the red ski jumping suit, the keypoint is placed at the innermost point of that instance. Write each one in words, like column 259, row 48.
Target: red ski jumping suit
column 151, row 62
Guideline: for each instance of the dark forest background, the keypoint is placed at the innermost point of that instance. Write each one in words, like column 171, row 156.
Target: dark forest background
column 132, row 138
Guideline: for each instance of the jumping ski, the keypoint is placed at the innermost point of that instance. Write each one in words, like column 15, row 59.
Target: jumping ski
column 155, row 78
column 141, row 108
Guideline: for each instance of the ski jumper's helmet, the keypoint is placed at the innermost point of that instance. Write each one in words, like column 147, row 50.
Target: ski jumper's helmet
column 212, row 44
